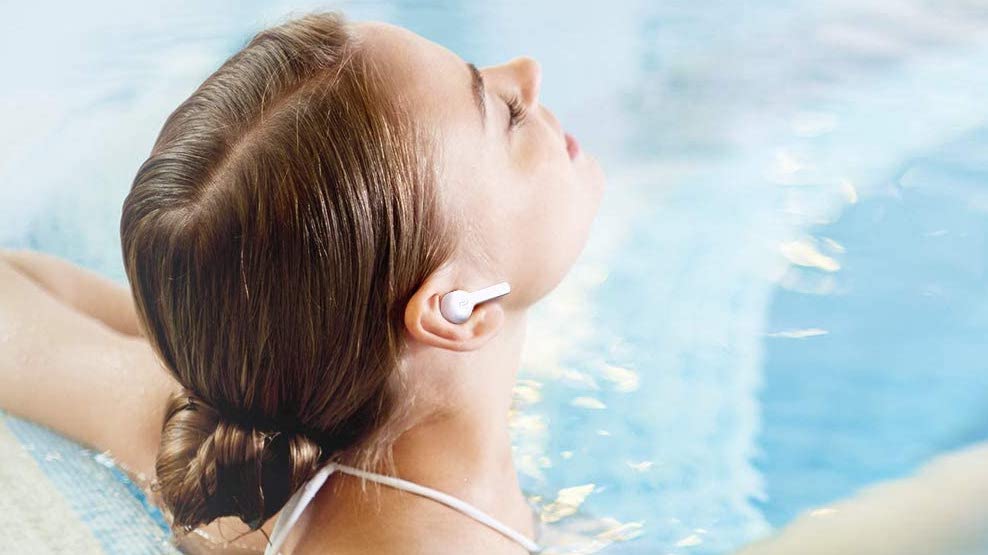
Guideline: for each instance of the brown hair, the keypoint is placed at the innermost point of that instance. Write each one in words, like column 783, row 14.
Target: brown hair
column 285, row 216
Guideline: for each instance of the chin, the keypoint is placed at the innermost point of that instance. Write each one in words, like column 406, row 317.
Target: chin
column 596, row 174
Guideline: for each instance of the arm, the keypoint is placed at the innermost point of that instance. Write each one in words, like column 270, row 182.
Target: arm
column 106, row 390
column 66, row 370
column 80, row 288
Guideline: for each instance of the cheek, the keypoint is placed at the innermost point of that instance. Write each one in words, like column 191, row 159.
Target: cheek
column 551, row 226
column 561, row 204
column 532, row 216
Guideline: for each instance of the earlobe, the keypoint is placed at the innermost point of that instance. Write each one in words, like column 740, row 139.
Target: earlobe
column 425, row 323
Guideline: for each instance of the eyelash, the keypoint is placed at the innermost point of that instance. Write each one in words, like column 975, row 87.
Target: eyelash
column 517, row 110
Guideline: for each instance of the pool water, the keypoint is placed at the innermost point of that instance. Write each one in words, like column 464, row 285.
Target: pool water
column 784, row 296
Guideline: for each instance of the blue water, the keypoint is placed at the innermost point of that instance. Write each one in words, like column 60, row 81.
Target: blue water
column 901, row 376
column 116, row 511
column 784, row 296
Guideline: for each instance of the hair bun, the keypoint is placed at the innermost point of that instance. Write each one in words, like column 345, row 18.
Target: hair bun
column 209, row 466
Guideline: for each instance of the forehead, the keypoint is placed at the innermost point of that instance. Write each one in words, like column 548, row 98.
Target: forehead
column 434, row 79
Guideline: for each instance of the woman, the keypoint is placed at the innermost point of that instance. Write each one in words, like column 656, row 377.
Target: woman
column 288, row 242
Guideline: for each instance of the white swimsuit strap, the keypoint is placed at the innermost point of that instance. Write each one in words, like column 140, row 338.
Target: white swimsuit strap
column 296, row 505
column 293, row 508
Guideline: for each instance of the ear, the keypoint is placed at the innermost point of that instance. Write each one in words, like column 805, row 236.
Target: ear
column 426, row 324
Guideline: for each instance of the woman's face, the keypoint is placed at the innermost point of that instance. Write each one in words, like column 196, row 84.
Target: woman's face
column 526, row 203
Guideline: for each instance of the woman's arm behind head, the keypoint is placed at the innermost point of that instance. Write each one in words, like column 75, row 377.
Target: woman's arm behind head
column 68, row 371
column 82, row 289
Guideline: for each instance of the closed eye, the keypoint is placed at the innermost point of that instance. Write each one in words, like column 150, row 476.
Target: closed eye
column 517, row 111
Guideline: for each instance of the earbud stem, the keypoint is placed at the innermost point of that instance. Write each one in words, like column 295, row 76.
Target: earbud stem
column 488, row 293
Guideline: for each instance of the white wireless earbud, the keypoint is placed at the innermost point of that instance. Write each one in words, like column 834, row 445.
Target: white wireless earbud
column 457, row 306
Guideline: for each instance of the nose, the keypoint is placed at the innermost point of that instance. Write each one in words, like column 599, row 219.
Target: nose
column 529, row 73
column 525, row 73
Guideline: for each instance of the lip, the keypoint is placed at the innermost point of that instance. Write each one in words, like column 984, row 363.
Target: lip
column 572, row 146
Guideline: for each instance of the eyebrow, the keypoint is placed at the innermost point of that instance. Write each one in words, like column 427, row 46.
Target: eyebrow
column 479, row 96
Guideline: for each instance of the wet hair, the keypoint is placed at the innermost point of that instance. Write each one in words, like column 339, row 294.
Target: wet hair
column 285, row 216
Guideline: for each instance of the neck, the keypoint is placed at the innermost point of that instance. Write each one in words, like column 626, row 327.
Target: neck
column 462, row 449
column 465, row 446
